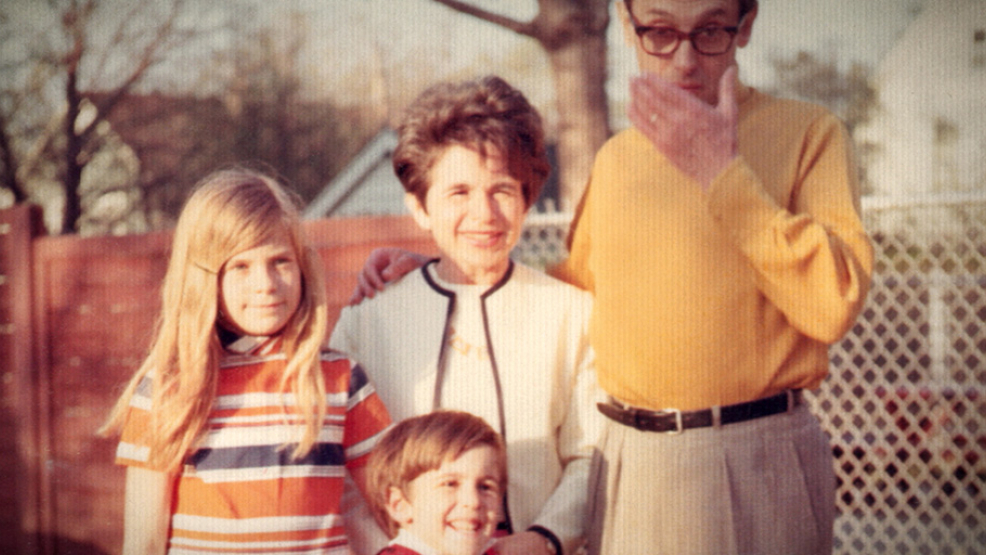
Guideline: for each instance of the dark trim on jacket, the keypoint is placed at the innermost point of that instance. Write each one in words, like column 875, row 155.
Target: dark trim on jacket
column 440, row 377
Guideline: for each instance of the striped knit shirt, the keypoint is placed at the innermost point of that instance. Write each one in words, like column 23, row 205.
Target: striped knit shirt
column 240, row 490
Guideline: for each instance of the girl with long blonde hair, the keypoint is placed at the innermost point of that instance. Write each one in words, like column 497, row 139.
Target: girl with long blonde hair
column 238, row 426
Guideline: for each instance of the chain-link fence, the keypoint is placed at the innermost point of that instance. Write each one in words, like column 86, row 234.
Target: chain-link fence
column 905, row 403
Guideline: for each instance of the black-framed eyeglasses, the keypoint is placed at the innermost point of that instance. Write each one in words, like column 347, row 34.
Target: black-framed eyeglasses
column 664, row 41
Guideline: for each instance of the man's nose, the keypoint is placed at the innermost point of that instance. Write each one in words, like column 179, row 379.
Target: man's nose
column 685, row 57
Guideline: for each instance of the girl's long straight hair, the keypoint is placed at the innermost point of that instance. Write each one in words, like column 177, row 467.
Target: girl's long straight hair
column 230, row 211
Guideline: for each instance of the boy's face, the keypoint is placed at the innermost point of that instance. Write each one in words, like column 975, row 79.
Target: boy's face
column 456, row 507
column 475, row 211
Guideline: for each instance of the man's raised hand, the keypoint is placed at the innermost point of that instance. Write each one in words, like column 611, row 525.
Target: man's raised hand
column 701, row 140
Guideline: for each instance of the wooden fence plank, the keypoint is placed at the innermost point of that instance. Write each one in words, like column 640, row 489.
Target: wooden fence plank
column 19, row 519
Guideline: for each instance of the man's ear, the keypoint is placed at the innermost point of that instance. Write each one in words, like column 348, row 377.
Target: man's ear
column 418, row 211
column 746, row 29
column 399, row 507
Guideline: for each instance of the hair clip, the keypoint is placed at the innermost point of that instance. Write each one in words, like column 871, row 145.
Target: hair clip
column 204, row 269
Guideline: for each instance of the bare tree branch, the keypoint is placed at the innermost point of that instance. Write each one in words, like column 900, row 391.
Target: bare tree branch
column 38, row 148
column 119, row 36
column 148, row 57
column 526, row 29
column 9, row 161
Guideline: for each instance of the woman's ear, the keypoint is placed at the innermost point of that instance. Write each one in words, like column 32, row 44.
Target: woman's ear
column 399, row 507
column 418, row 211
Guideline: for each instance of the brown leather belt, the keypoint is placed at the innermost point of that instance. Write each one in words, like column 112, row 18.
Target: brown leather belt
column 676, row 421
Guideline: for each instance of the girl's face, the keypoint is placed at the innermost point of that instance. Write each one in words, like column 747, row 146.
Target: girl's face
column 260, row 288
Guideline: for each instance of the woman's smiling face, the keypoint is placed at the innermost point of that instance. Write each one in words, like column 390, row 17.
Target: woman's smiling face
column 475, row 211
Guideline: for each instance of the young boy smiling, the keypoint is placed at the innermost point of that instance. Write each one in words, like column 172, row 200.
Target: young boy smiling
column 436, row 485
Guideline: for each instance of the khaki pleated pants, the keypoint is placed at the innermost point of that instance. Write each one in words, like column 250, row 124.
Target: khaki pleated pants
column 761, row 487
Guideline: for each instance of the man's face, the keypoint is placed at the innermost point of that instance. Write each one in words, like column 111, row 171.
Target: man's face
column 696, row 73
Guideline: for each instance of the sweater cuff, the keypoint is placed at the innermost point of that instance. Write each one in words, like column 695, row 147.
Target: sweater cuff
column 738, row 201
column 548, row 535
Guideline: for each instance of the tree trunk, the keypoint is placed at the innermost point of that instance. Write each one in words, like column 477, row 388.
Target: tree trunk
column 573, row 33
column 72, row 164
column 72, row 179
column 578, row 68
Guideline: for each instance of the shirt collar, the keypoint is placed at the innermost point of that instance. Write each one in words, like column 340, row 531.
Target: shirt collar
column 407, row 539
column 246, row 344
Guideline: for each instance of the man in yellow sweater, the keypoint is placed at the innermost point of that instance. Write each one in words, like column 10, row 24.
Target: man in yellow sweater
column 721, row 237
column 722, row 240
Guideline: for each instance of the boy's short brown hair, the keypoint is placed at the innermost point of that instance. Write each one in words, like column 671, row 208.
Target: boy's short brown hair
column 481, row 114
column 420, row 444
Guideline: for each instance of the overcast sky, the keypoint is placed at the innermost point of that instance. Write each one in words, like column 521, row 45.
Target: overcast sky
column 845, row 30
column 348, row 41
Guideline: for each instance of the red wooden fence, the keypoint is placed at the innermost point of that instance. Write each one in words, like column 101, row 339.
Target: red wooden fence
column 75, row 319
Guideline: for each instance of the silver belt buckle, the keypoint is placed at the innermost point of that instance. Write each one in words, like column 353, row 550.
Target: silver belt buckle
column 679, row 423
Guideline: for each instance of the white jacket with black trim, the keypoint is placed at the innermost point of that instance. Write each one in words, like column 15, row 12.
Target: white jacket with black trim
column 538, row 344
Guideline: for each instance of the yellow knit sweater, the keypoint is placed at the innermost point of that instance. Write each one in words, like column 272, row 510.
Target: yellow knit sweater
column 716, row 298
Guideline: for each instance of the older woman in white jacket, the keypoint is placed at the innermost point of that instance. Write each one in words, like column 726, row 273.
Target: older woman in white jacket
column 472, row 330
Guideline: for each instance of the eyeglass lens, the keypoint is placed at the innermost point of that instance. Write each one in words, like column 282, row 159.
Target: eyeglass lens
column 711, row 40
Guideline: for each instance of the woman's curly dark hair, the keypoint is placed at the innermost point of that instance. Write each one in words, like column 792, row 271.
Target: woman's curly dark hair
column 481, row 114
